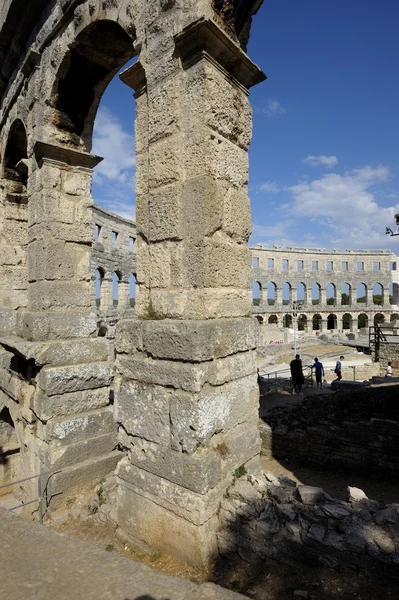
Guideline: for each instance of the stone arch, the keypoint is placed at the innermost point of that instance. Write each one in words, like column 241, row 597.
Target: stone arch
column 332, row 321
column 346, row 294
column 132, row 289
column 116, row 281
column 362, row 321
column 287, row 293
column 15, row 160
column 394, row 317
column 256, row 293
column 98, row 52
column 379, row 318
column 347, row 321
column 317, row 322
column 100, row 274
column 287, row 320
column 302, row 323
column 301, row 292
column 378, row 294
column 271, row 293
column 316, row 293
column 361, row 293
column 331, row 294
column 273, row 319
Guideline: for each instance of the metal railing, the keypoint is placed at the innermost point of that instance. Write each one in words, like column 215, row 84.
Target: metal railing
column 40, row 490
column 276, row 378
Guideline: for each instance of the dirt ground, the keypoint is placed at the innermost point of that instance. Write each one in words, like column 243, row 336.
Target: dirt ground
column 263, row 582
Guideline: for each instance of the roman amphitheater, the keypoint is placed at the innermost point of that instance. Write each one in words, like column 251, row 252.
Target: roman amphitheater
column 128, row 350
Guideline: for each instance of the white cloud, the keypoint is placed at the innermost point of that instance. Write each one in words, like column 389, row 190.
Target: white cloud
column 273, row 108
column 322, row 159
column 116, row 145
column 270, row 187
column 345, row 206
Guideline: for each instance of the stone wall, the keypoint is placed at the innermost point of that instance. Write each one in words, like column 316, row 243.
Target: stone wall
column 352, row 430
column 264, row 518
column 389, row 352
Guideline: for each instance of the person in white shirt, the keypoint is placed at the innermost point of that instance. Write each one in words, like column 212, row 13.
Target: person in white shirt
column 388, row 370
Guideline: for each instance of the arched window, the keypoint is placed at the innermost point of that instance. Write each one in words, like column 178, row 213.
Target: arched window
column 361, row 293
column 317, row 320
column 346, row 293
column 256, row 293
column 286, row 293
column 301, row 292
column 362, row 321
column 332, row 321
column 287, row 320
column 15, row 169
column 99, row 282
column 271, row 293
column 316, row 293
column 379, row 319
column 347, row 321
column 378, row 294
column 331, row 294
column 116, row 279
column 273, row 319
column 132, row 289
column 302, row 323
column 394, row 317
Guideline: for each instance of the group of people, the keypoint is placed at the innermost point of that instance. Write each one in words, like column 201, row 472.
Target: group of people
column 297, row 376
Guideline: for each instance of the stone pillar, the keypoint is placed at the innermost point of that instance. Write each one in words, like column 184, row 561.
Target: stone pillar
column 278, row 297
column 123, row 294
column 107, row 297
column 60, row 238
column 369, row 296
column 186, row 389
column 323, row 297
column 339, row 322
column 395, row 294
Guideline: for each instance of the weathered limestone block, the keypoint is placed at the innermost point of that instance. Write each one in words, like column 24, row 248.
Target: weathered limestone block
column 198, row 472
column 180, row 501
column 166, row 214
column 45, row 295
column 164, row 108
column 237, row 221
column 58, row 325
column 57, row 353
column 59, row 457
column 70, row 403
column 68, row 430
column 54, row 259
column 165, row 161
column 73, row 378
column 208, row 303
column 143, row 409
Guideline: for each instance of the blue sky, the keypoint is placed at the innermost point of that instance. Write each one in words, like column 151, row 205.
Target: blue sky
column 324, row 162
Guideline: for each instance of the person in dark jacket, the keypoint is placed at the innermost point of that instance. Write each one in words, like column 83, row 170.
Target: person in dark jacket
column 296, row 375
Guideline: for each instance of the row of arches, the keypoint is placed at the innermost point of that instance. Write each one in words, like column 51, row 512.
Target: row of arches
column 315, row 294
column 315, row 322
column 114, row 295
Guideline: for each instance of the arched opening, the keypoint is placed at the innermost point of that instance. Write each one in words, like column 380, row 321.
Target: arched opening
column 378, row 294
column 99, row 282
column 286, row 291
column 15, row 169
column 301, row 293
column 331, row 294
column 97, row 54
column 287, row 320
column 347, row 321
column 317, row 322
column 302, row 323
column 316, row 293
column 273, row 319
column 271, row 293
column 256, row 293
column 379, row 319
column 116, row 280
column 362, row 321
column 394, row 317
column 9, row 451
column 332, row 322
column 346, row 293
column 132, row 290
column 394, row 294
column 361, row 293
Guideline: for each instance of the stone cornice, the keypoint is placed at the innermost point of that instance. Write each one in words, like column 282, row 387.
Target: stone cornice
column 134, row 77
column 61, row 154
column 205, row 40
